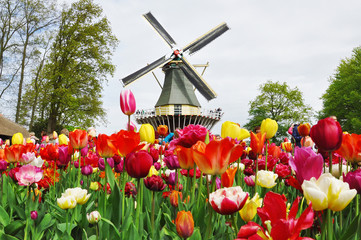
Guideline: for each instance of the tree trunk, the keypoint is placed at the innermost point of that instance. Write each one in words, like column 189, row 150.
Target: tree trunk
column 17, row 115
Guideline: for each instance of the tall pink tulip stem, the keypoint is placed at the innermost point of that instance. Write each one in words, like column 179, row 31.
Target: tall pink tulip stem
column 128, row 122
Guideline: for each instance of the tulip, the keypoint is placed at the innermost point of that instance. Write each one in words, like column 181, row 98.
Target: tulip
column 105, row 146
column 152, row 171
column 233, row 130
column 87, row 170
column 249, row 180
column 81, row 196
column 17, row 139
column 67, row 202
column 27, row 157
column 274, row 150
column 64, row 156
column 28, row 174
column 266, row 179
column 63, row 139
column 304, row 129
column 138, row 164
column 3, row 165
column 125, row 141
column 257, row 142
column 171, row 161
column 94, row 186
column 351, row 147
column 185, row 157
column 14, row 153
column 127, row 102
column 328, row 192
column 93, row 217
column 327, row 134
column 249, row 211
column 227, row 201
column 147, row 133
column 354, row 180
column 286, row 146
column 184, row 224
column 306, row 164
column 78, row 139
column 269, row 127
column 213, row 158
column 227, row 177
column 173, row 198
column 162, row 130
column 190, row 135
column 154, row 183
column 33, row 215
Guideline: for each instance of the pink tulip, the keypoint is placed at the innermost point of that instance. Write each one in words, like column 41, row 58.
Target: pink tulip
column 127, row 102
column 28, row 175
column 306, row 163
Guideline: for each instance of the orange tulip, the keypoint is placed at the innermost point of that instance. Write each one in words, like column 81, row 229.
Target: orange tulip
column 213, row 158
column 2, row 154
column 274, row 150
column 185, row 157
column 162, row 130
column 304, row 129
column 257, row 142
column 227, row 177
column 286, row 146
column 14, row 153
column 105, row 146
column 184, row 224
column 351, row 147
column 173, row 197
column 126, row 141
column 78, row 139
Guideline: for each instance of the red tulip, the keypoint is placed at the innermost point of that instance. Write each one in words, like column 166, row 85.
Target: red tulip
column 213, row 158
column 304, row 129
column 185, row 157
column 127, row 102
column 78, row 139
column 138, row 164
column 154, row 183
column 14, row 153
column 351, row 147
column 257, row 142
column 227, row 177
column 126, row 141
column 105, row 146
column 184, row 224
column 274, row 150
column 327, row 134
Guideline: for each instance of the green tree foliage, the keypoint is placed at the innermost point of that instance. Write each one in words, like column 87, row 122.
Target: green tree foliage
column 343, row 96
column 78, row 64
column 281, row 103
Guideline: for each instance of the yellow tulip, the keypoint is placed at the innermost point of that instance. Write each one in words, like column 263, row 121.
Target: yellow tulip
column 147, row 133
column 328, row 192
column 63, row 139
column 94, row 186
column 233, row 130
column 17, row 138
column 81, row 195
column 249, row 211
column 66, row 202
column 266, row 179
column 269, row 127
column 152, row 171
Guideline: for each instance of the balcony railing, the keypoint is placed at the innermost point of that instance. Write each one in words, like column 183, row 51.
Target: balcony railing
column 145, row 113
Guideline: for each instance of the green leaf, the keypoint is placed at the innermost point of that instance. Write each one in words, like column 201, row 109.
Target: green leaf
column 111, row 224
column 4, row 217
column 62, row 227
column 110, row 175
column 167, row 232
column 14, row 227
column 196, row 235
column 45, row 223
column 351, row 230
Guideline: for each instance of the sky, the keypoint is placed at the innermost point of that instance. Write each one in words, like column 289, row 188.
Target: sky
column 300, row 42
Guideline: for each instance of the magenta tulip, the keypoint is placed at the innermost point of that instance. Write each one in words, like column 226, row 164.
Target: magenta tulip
column 354, row 180
column 327, row 134
column 306, row 164
column 127, row 102
column 138, row 164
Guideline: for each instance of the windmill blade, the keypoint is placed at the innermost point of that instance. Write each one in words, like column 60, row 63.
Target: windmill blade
column 206, row 38
column 197, row 80
column 159, row 28
column 141, row 72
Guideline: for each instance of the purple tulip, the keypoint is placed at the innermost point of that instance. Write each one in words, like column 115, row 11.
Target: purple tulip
column 127, row 102
column 171, row 161
column 306, row 164
column 64, row 157
column 84, row 151
column 119, row 167
column 87, row 170
column 172, row 178
column 101, row 164
column 3, row 165
column 157, row 165
column 34, row 215
column 218, row 183
column 354, row 180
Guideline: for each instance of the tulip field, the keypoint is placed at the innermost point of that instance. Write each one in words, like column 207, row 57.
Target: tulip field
column 129, row 185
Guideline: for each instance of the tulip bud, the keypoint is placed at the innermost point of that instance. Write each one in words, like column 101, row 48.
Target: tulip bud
column 173, row 197
column 147, row 133
column 233, row 130
column 17, row 138
column 34, row 215
column 94, row 186
column 304, row 129
column 138, row 164
column 266, row 179
column 93, row 217
column 162, row 130
column 63, row 140
column 269, row 127
column 127, row 102
column 184, row 224
column 154, row 183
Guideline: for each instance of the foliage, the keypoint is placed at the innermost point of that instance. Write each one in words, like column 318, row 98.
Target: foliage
column 343, row 97
column 281, row 103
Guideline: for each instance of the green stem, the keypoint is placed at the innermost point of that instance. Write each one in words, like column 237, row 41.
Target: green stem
column 255, row 177
column 66, row 221
column 97, row 231
column 152, row 215
column 105, row 188
column 200, row 189
column 139, row 203
column 194, row 182
column 238, row 178
column 330, row 162
column 123, row 195
column 266, row 156
column 329, row 225
column 210, row 210
column 176, row 179
column 234, row 222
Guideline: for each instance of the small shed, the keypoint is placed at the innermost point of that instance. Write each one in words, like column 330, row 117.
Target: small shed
column 8, row 128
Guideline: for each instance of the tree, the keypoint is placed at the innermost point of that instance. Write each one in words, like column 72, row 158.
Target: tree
column 79, row 62
column 280, row 103
column 343, row 97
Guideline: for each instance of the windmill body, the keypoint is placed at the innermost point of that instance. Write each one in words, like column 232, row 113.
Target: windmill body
column 178, row 105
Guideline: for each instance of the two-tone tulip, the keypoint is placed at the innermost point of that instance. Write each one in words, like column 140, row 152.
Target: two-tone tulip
column 162, row 130
column 184, row 224
column 227, row 201
column 127, row 102
column 269, row 127
column 78, row 139
column 304, row 129
column 147, row 133
column 257, row 142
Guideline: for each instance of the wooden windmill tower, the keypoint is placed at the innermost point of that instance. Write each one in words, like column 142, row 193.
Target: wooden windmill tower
column 178, row 105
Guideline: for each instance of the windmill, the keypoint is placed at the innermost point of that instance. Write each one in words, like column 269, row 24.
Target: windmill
column 178, row 105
